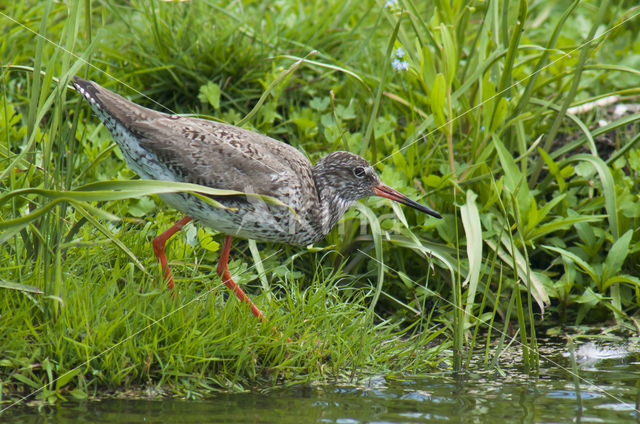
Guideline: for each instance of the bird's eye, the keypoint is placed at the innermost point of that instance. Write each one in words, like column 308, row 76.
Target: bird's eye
column 359, row 171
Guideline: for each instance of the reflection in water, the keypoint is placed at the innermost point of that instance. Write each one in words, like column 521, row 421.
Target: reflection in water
column 606, row 394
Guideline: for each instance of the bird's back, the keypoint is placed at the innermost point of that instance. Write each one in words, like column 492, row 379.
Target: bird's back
column 176, row 148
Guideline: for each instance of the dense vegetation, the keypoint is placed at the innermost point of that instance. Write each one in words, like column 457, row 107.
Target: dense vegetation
column 516, row 121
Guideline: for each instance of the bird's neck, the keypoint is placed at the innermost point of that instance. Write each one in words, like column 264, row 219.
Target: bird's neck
column 332, row 204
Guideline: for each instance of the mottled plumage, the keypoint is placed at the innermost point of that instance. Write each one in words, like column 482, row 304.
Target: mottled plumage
column 174, row 148
column 168, row 147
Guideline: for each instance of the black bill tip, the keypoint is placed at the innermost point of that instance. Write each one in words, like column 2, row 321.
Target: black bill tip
column 383, row 190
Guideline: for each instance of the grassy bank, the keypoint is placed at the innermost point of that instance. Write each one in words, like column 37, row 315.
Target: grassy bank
column 504, row 117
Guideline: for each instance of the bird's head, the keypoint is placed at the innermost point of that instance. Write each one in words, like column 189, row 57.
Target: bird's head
column 350, row 178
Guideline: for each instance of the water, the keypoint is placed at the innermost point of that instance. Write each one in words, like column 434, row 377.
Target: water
column 607, row 393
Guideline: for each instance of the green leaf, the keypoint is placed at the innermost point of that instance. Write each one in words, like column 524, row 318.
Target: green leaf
column 630, row 206
column 20, row 287
column 616, row 256
column 142, row 207
column 210, row 93
column 257, row 261
column 577, row 260
column 66, row 377
column 585, row 232
column 473, row 231
column 514, row 181
column 427, row 66
column 26, row 380
column 589, row 297
column 304, row 123
column 629, row 279
column 500, row 113
column 206, row 240
column 319, row 103
column 78, row 394
column 438, row 94
column 449, row 53
column 608, row 189
column 511, row 254
column 345, row 113
column 544, row 211
column 118, row 190
column 553, row 169
column 561, row 224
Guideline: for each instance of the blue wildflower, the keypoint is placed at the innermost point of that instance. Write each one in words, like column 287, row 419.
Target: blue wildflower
column 391, row 3
column 399, row 52
column 400, row 65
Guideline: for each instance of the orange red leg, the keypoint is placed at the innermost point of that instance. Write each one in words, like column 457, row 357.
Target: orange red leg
column 223, row 269
column 158, row 248
column 223, row 272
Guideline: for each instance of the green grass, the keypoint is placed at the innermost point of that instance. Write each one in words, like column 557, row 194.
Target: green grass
column 130, row 332
column 540, row 206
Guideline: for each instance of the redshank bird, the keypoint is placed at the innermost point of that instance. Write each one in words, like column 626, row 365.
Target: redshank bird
column 166, row 147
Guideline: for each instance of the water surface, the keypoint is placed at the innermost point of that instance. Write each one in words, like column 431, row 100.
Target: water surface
column 608, row 392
